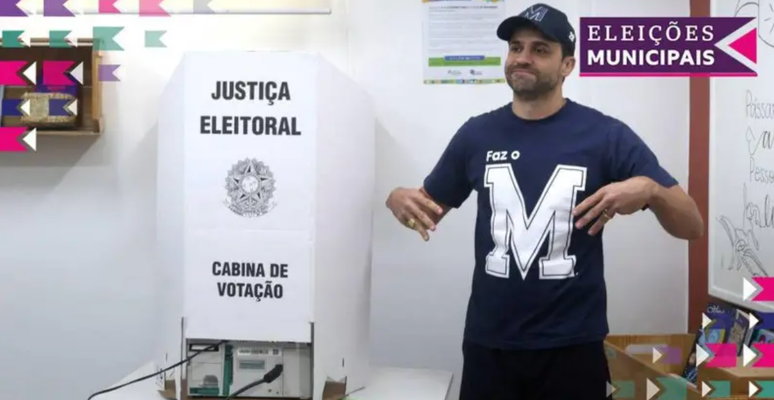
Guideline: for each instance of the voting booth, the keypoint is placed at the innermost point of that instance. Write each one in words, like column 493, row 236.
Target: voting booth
column 265, row 197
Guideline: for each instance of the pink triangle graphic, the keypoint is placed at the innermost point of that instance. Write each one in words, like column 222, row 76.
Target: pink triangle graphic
column 108, row 7
column 747, row 45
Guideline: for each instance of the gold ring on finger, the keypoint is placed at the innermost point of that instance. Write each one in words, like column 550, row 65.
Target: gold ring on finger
column 411, row 223
column 607, row 216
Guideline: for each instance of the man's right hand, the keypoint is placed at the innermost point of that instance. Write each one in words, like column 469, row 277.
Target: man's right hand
column 415, row 210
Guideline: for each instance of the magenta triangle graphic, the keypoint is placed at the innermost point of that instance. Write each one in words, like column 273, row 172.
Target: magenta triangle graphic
column 747, row 45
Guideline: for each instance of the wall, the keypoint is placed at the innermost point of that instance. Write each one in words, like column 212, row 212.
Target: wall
column 77, row 217
column 77, row 223
column 646, row 268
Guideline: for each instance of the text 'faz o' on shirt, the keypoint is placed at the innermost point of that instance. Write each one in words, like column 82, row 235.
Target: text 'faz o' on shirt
column 538, row 281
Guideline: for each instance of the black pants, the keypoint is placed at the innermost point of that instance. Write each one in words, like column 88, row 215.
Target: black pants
column 578, row 372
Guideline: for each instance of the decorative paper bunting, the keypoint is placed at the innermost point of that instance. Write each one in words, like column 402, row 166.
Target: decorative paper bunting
column 723, row 355
column 766, row 355
column 163, row 8
column 153, row 39
column 58, row 39
column 668, row 355
column 761, row 286
column 20, row 108
column 621, row 389
column 10, row 73
column 11, row 108
column 11, row 140
column 152, row 8
column 10, row 8
column 12, row 39
column 105, row 38
column 241, row 7
column 77, row 73
column 716, row 389
column 202, row 7
column 765, row 320
column 56, row 8
column 55, row 73
column 107, row 73
column 761, row 389
column 108, row 7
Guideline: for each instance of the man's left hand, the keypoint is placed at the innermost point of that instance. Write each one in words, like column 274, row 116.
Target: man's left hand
column 625, row 198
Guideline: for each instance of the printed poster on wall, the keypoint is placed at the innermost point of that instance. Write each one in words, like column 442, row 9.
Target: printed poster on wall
column 460, row 45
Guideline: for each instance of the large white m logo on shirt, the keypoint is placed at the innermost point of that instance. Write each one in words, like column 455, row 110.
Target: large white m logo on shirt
column 524, row 235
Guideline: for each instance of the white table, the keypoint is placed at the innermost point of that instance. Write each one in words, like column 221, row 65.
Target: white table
column 404, row 384
column 386, row 384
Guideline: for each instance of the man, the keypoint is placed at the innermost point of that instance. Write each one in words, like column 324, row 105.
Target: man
column 549, row 174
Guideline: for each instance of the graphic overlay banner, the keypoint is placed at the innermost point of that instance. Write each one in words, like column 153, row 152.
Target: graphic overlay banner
column 765, row 355
column 13, row 39
column 11, row 108
column 723, row 355
column 56, row 8
column 57, row 107
column 12, row 140
column 716, row 389
column 55, row 73
column 11, row 73
column 765, row 320
column 667, row 355
column 59, row 39
column 762, row 320
column 621, row 389
column 166, row 8
column 105, row 38
column 202, row 7
column 668, row 387
column 673, row 387
column 761, row 389
column 10, row 8
column 153, row 39
column 760, row 289
column 152, row 8
column 748, row 355
column 107, row 72
column 668, row 47
column 108, row 7
column 767, row 288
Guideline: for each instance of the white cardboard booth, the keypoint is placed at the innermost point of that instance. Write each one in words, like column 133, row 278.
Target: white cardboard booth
column 265, row 198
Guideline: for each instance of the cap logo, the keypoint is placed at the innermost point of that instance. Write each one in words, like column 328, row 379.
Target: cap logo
column 535, row 14
column 571, row 36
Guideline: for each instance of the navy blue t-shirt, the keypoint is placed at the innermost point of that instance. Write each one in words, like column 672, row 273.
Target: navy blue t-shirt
column 538, row 281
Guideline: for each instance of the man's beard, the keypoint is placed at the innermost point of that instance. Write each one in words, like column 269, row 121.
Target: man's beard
column 531, row 89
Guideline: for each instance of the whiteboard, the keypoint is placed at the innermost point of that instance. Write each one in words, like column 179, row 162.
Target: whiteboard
column 741, row 175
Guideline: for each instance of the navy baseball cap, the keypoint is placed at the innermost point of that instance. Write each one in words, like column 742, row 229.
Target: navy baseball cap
column 548, row 20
